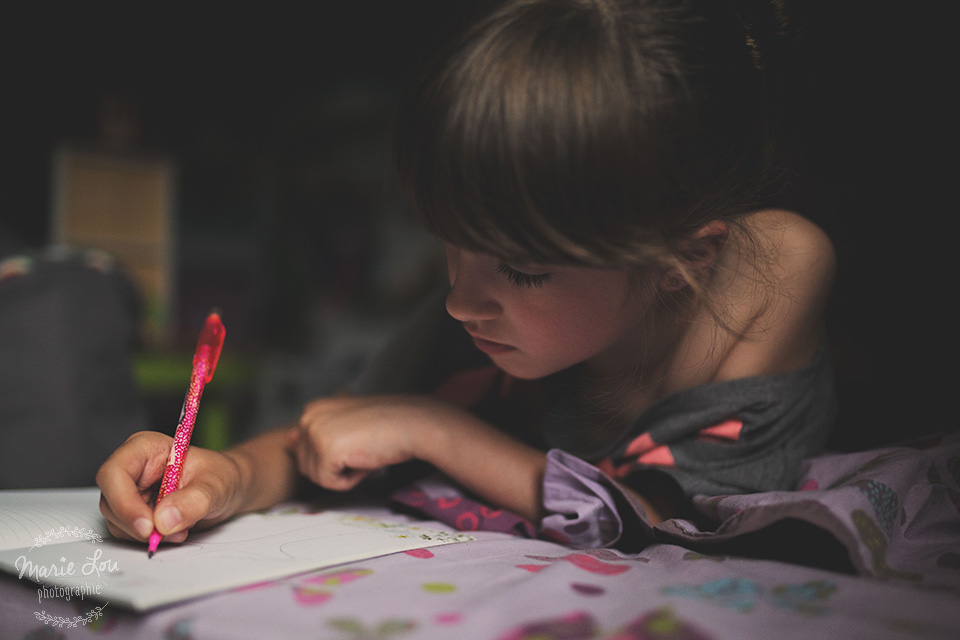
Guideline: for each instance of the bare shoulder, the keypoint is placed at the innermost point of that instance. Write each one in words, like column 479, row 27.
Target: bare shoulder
column 800, row 255
column 797, row 263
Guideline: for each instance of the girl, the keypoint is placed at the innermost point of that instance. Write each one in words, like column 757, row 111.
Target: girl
column 626, row 288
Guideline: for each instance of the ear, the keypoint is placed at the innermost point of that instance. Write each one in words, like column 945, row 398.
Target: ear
column 698, row 254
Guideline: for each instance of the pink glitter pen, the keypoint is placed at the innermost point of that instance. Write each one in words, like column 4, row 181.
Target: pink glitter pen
column 204, row 364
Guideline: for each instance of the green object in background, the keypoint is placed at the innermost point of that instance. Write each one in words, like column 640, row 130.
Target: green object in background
column 168, row 371
column 160, row 372
column 213, row 427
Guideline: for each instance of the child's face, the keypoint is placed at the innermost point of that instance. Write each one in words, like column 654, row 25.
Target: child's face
column 535, row 320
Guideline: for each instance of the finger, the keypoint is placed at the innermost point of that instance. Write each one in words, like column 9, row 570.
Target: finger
column 178, row 537
column 124, row 481
column 342, row 479
column 306, row 457
column 332, row 471
column 327, row 406
column 183, row 508
column 311, row 411
column 293, row 435
column 140, row 529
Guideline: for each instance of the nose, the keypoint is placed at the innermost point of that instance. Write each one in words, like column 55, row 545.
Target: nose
column 471, row 296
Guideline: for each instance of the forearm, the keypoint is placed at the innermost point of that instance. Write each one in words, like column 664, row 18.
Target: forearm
column 508, row 473
column 267, row 470
column 486, row 461
column 339, row 441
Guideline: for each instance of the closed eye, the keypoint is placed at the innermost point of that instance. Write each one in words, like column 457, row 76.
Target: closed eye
column 522, row 279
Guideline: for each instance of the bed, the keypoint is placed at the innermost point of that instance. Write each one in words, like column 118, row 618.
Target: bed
column 867, row 546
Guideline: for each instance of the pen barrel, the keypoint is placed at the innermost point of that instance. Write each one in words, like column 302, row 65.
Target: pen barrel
column 181, row 439
column 204, row 363
column 171, row 480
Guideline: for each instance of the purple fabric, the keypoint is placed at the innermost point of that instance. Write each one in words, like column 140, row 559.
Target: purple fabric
column 446, row 503
column 895, row 513
column 581, row 503
column 895, row 510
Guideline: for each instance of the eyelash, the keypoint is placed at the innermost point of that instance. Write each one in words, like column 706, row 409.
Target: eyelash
column 521, row 279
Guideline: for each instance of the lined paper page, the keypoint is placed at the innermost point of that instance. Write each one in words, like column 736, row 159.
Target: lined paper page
column 27, row 514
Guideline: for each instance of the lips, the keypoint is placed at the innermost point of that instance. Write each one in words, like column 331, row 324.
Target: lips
column 491, row 347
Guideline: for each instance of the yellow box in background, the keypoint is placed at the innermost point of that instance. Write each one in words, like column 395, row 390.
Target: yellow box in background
column 122, row 203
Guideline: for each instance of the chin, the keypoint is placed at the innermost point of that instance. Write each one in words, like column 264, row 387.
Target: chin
column 523, row 371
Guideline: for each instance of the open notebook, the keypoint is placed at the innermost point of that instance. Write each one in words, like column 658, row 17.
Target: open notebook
column 58, row 540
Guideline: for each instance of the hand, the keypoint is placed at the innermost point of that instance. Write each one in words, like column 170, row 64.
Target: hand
column 340, row 441
column 210, row 488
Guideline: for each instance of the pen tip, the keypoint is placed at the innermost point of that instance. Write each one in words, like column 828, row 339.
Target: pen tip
column 149, row 554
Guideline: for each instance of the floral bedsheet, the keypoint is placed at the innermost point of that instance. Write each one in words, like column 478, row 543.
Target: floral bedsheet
column 868, row 546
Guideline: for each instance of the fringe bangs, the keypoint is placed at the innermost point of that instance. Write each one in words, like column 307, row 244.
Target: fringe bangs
column 516, row 146
column 547, row 136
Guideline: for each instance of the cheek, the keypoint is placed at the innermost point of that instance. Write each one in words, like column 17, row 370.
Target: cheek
column 584, row 313
column 599, row 317
column 570, row 325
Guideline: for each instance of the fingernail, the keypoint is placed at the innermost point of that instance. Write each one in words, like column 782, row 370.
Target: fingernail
column 167, row 519
column 143, row 527
column 179, row 536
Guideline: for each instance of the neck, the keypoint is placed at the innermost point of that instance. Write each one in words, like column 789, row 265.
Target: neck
column 626, row 380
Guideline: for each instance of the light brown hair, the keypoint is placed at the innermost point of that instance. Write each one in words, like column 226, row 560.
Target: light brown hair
column 593, row 132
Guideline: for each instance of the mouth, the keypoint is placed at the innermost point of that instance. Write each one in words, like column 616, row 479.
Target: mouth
column 490, row 347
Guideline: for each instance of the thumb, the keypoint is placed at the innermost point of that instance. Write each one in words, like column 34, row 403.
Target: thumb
column 181, row 510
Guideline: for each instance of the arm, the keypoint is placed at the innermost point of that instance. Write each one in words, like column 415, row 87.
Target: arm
column 267, row 471
column 341, row 440
column 488, row 462
column 214, row 486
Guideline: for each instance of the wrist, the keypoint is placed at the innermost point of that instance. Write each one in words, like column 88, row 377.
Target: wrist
column 263, row 472
column 241, row 480
column 434, row 431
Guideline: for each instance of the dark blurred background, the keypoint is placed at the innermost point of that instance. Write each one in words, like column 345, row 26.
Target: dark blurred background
column 274, row 125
